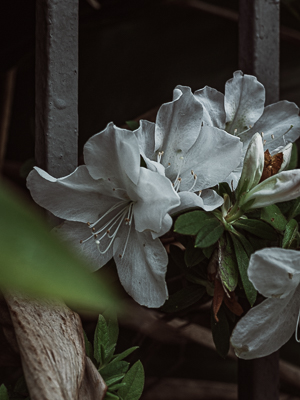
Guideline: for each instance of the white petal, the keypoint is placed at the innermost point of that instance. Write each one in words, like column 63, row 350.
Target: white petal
column 253, row 165
column 76, row 197
column 167, row 223
column 213, row 106
column 146, row 138
column 113, row 152
column 283, row 186
column 287, row 154
column 276, row 121
column 178, row 125
column 266, row 327
column 233, row 178
column 211, row 200
column 214, row 155
column 155, row 197
column 244, row 102
column 73, row 232
column 275, row 272
column 143, row 267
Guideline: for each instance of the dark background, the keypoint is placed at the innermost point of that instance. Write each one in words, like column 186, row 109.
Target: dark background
column 132, row 53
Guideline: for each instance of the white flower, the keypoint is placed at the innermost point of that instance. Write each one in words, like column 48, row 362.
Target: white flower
column 114, row 208
column 275, row 273
column 241, row 112
column 194, row 157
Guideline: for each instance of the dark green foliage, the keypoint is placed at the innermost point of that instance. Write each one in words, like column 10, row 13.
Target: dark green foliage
column 184, row 298
column 221, row 332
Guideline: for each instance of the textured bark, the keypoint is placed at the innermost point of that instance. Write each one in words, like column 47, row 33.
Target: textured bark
column 92, row 386
column 51, row 346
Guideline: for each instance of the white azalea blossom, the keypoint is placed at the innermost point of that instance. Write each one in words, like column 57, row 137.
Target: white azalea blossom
column 275, row 273
column 193, row 156
column 114, row 208
column 241, row 112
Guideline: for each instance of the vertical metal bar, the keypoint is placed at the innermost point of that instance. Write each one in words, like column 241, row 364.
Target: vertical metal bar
column 259, row 25
column 259, row 29
column 56, row 85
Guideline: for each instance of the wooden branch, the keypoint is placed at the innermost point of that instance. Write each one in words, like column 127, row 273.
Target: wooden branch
column 51, row 345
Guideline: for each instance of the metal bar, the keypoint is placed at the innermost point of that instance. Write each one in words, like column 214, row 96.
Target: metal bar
column 259, row 28
column 56, row 85
column 259, row 55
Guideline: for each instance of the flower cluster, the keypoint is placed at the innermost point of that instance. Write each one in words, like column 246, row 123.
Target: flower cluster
column 212, row 163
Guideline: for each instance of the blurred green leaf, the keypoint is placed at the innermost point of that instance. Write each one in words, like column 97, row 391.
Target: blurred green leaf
column 295, row 210
column 3, row 393
column 34, row 261
column 134, row 379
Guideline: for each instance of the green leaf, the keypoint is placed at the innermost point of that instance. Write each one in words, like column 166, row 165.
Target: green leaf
column 101, row 339
column 3, row 393
column 134, row 380
column 257, row 228
column 109, row 353
column 177, row 256
column 228, row 268
column 273, row 216
column 224, row 188
column 246, row 244
column 133, row 125
column 116, row 386
column 34, row 261
column 88, row 346
column 183, row 298
column 190, row 223
column 111, row 396
column 207, row 251
column 124, row 354
column 113, row 328
column 243, row 262
column 220, row 332
column 192, row 255
column 210, row 233
column 295, row 210
column 114, row 368
column 290, row 234
column 114, row 379
column 294, row 158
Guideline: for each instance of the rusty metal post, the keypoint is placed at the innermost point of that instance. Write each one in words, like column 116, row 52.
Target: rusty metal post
column 259, row 25
column 259, row 29
column 56, row 85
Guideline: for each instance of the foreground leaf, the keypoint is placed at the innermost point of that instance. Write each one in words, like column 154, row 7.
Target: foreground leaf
column 228, row 268
column 134, row 380
column 34, row 261
column 191, row 222
column 210, row 233
column 290, row 234
column 257, row 228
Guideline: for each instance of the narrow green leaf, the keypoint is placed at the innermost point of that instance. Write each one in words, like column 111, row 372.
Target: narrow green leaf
column 295, row 210
column 257, row 228
column 117, row 386
column 210, row 233
column 224, row 188
column 133, row 125
column 109, row 353
column 273, row 216
column 290, row 233
column 111, row 396
column 246, row 244
column 101, row 338
column 114, row 368
column 190, row 223
column 114, row 379
column 243, row 262
column 113, row 328
column 88, row 346
column 220, row 332
column 183, row 298
column 3, row 393
column 124, row 354
column 134, row 379
column 36, row 262
column 192, row 255
column 228, row 268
